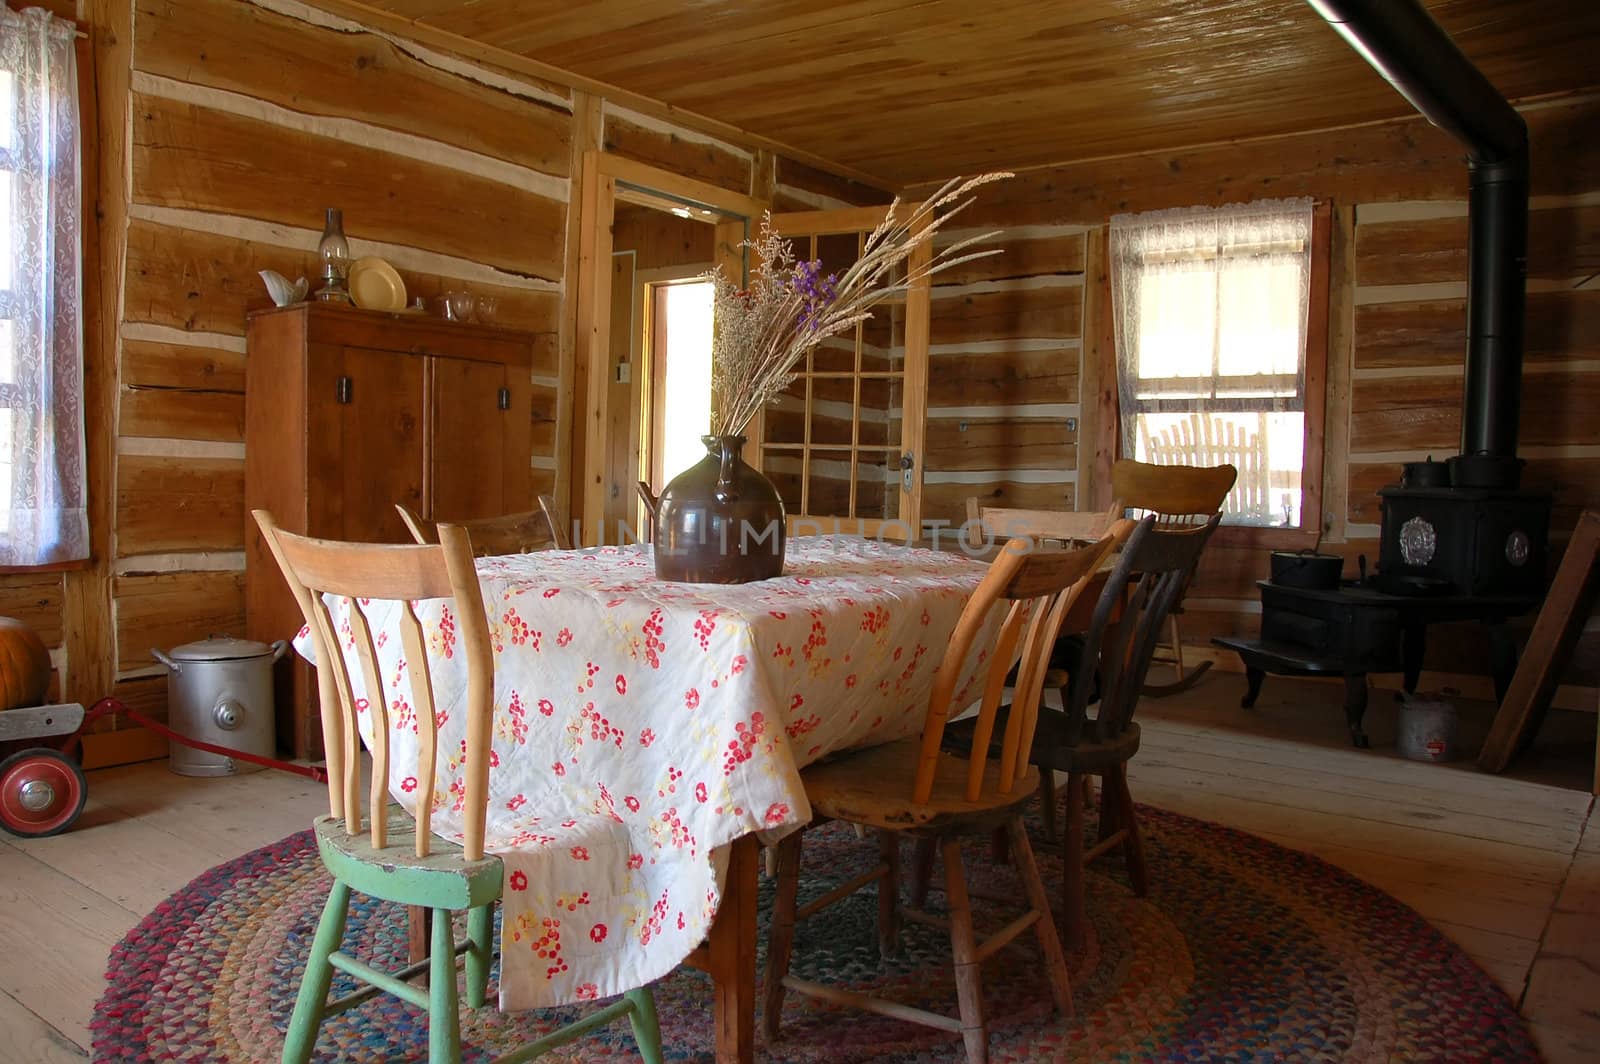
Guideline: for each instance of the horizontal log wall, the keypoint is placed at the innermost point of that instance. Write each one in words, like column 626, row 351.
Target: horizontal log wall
column 248, row 118
column 1013, row 362
column 1004, row 363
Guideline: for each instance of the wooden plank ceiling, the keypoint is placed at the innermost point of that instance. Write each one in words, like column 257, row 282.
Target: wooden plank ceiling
column 914, row 90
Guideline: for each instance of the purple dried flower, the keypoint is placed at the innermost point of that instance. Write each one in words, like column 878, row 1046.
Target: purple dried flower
column 818, row 291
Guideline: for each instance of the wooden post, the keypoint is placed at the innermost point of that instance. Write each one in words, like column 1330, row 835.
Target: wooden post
column 1097, row 388
column 585, row 139
column 87, row 632
column 1341, row 361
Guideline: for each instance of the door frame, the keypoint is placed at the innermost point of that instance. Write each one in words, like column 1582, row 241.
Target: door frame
column 602, row 173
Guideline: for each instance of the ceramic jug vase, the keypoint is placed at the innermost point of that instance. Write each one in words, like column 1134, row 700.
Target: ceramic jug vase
column 719, row 521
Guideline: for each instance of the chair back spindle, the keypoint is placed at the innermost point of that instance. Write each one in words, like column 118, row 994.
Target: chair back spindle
column 363, row 575
column 1040, row 587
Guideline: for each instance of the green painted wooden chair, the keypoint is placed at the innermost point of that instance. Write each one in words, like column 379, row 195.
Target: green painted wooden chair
column 397, row 858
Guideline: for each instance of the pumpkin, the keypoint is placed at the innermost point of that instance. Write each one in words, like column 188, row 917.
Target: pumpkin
column 24, row 665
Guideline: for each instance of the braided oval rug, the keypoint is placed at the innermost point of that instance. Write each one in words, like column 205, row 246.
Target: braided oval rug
column 1243, row 951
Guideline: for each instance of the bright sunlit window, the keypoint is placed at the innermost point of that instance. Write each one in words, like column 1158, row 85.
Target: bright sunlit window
column 43, row 519
column 1210, row 307
column 686, row 409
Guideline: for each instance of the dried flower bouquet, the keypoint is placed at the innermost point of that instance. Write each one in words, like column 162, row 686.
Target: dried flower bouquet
column 760, row 334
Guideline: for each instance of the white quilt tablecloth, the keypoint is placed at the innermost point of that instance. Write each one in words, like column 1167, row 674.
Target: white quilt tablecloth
column 640, row 725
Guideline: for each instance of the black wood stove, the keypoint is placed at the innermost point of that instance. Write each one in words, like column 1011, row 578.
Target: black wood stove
column 1463, row 541
column 1470, row 544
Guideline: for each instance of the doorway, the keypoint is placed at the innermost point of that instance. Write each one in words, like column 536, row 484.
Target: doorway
column 658, row 396
column 678, row 360
column 661, row 222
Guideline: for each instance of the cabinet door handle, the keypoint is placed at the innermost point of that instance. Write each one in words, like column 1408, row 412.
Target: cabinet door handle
column 505, row 399
column 344, row 389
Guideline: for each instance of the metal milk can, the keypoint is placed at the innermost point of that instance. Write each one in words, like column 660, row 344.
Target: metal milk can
column 219, row 691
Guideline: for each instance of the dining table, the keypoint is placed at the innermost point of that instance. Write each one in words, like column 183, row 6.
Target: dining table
column 649, row 735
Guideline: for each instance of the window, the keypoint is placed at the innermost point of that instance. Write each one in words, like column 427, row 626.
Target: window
column 43, row 520
column 1217, row 363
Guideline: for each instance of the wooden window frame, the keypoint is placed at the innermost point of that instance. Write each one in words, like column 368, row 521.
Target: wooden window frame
column 1309, row 533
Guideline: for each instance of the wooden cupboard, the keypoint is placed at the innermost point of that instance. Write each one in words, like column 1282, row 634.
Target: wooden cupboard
column 348, row 412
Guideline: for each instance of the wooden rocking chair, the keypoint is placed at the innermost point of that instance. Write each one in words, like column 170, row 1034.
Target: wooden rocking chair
column 1180, row 496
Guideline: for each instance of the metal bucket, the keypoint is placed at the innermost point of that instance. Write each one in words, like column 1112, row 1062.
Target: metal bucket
column 219, row 691
column 1427, row 730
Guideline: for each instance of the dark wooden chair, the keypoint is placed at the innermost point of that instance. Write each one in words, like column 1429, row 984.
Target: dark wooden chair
column 913, row 788
column 1179, row 496
column 1146, row 582
column 518, row 533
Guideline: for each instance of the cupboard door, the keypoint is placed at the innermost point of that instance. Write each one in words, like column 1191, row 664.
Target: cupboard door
column 366, row 447
column 482, row 439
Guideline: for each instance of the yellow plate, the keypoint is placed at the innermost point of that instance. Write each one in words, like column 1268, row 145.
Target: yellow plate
column 374, row 285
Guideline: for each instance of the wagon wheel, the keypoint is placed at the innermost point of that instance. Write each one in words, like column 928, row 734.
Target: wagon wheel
column 42, row 791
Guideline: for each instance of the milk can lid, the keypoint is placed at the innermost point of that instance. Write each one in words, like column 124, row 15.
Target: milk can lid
column 220, row 648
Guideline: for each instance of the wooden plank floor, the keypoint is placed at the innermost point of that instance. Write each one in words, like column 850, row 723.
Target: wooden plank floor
column 1509, row 866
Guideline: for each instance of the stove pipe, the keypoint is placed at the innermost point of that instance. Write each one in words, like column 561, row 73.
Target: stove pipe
column 1403, row 43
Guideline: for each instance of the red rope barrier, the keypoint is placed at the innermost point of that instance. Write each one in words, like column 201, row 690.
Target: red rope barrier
column 109, row 706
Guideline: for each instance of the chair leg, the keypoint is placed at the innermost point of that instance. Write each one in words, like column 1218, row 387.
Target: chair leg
column 1110, row 811
column 780, row 936
column 1133, row 845
column 999, row 847
column 921, row 871
column 1055, row 961
column 444, row 1019
column 306, row 1021
column 1177, row 643
column 646, row 1027
column 889, row 895
column 1047, row 802
column 969, row 975
column 418, row 932
column 1088, row 790
column 480, row 932
column 1072, row 914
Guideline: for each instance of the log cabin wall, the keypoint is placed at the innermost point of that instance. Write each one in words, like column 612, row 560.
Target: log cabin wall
column 247, row 119
column 224, row 129
column 1004, row 364
column 1013, row 346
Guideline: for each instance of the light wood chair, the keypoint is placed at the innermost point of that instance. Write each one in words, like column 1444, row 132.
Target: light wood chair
column 1178, row 496
column 1143, row 587
column 912, row 788
column 395, row 857
column 994, row 524
column 518, row 533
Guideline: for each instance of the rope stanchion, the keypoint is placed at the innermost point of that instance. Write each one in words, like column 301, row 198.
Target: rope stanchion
column 112, row 706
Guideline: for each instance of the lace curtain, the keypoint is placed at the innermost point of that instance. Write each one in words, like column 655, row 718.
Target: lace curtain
column 42, row 512
column 1209, row 307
